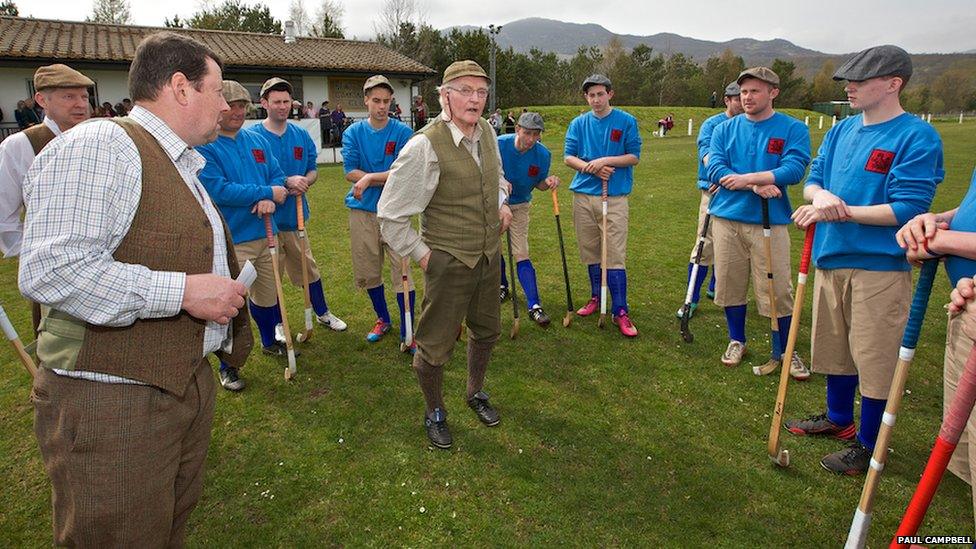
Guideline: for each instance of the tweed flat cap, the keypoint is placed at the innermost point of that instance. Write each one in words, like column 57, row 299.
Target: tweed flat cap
column 60, row 76
column 884, row 60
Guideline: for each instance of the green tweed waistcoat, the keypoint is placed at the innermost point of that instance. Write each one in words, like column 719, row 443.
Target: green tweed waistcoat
column 462, row 216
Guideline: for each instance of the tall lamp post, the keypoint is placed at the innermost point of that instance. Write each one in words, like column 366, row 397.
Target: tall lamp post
column 493, row 31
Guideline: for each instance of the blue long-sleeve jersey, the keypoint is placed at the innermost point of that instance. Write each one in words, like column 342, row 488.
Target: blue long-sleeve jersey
column 899, row 163
column 297, row 155
column 780, row 144
column 589, row 137
column 704, row 143
column 524, row 170
column 240, row 172
column 372, row 151
column 964, row 220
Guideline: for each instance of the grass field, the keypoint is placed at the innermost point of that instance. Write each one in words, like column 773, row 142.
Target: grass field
column 603, row 441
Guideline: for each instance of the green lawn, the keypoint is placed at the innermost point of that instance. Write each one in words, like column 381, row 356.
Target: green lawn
column 603, row 441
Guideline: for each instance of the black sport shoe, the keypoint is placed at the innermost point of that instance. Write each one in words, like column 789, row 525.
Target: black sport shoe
column 484, row 411
column 503, row 292
column 230, row 380
column 819, row 425
column 539, row 316
column 279, row 349
column 853, row 460
column 437, row 431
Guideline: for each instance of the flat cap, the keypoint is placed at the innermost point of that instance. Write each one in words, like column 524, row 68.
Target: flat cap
column 531, row 121
column 234, row 91
column 466, row 67
column 273, row 82
column 377, row 80
column 596, row 80
column 765, row 74
column 60, row 76
column 884, row 60
column 732, row 89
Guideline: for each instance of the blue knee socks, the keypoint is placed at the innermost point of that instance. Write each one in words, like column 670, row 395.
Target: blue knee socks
column 318, row 297
column 378, row 296
column 504, row 274
column 779, row 344
column 840, row 399
column 617, row 282
column 526, row 276
column 872, row 409
column 702, row 273
column 735, row 317
column 265, row 318
column 403, row 320
column 594, row 272
column 711, row 283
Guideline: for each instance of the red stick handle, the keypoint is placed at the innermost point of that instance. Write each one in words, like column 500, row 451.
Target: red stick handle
column 807, row 248
column 268, row 231
column 952, row 426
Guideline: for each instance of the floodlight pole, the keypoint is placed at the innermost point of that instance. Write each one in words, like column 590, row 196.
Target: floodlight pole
column 493, row 31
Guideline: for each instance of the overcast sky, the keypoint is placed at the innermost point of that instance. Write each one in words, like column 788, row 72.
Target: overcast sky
column 832, row 26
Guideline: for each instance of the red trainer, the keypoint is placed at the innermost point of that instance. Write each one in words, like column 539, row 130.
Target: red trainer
column 626, row 326
column 379, row 330
column 592, row 306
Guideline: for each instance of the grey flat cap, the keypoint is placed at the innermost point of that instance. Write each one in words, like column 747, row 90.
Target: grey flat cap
column 596, row 80
column 765, row 74
column 531, row 121
column 884, row 60
column 732, row 89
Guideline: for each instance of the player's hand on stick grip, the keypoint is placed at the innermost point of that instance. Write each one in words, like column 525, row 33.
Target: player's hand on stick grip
column 212, row 297
column 279, row 194
column 263, row 207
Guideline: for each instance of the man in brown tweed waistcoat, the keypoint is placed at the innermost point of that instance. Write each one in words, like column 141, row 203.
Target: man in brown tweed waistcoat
column 126, row 248
column 450, row 173
column 63, row 92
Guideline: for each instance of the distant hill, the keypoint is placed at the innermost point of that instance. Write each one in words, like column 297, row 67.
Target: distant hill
column 563, row 38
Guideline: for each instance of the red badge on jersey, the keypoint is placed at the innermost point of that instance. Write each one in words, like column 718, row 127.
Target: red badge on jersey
column 298, row 152
column 390, row 147
column 533, row 170
column 615, row 135
column 258, row 155
column 775, row 145
column 879, row 161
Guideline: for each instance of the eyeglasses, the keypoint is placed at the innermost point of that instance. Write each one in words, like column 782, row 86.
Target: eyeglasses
column 468, row 92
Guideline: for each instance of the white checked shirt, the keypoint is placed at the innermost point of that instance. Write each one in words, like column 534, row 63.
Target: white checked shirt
column 16, row 156
column 82, row 193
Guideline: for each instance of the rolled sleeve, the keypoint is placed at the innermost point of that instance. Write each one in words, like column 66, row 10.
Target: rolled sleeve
column 718, row 159
column 795, row 159
column 914, row 178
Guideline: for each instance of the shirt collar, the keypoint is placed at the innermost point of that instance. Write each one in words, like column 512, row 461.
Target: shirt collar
column 52, row 125
column 177, row 149
column 457, row 135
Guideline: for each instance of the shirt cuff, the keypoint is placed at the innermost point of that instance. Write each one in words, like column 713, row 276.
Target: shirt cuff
column 904, row 211
column 419, row 251
column 165, row 297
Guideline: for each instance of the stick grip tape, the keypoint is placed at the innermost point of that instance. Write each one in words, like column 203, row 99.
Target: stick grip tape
column 962, row 403
column 555, row 202
column 920, row 302
column 926, row 488
column 765, row 213
column 268, row 232
column 301, row 213
column 807, row 249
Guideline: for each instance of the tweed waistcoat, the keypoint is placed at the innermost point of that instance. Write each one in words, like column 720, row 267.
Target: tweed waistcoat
column 462, row 216
column 169, row 232
column 39, row 136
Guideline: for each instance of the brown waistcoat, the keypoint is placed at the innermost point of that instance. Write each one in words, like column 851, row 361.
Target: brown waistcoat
column 170, row 232
column 462, row 215
column 39, row 136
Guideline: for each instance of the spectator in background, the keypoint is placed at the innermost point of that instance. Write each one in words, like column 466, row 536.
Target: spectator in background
column 510, row 123
column 25, row 116
column 310, row 111
column 419, row 109
column 338, row 123
column 107, row 110
column 713, row 100
column 38, row 110
column 325, row 124
column 127, row 104
column 495, row 120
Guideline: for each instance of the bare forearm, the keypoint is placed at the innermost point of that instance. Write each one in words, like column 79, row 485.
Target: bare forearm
column 376, row 179
column 957, row 243
column 622, row 161
column 575, row 162
column 761, row 179
column 312, row 176
column 879, row 214
column 810, row 191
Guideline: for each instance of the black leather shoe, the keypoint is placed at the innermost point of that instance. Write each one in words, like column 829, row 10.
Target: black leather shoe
column 484, row 411
column 437, row 431
column 539, row 316
column 503, row 293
